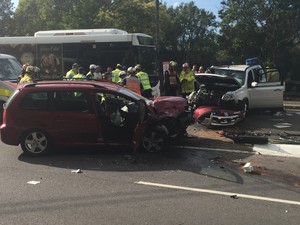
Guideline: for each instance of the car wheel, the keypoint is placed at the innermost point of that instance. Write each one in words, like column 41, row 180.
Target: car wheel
column 35, row 143
column 153, row 140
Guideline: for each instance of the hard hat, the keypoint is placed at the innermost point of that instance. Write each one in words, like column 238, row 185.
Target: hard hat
column 138, row 67
column 130, row 70
column 75, row 65
column 119, row 65
column 92, row 67
column 25, row 66
column 185, row 65
column 172, row 63
column 122, row 73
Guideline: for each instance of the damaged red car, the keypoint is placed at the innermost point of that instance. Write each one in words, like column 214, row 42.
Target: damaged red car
column 46, row 114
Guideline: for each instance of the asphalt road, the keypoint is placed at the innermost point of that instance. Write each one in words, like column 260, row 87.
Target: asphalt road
column 116, row 187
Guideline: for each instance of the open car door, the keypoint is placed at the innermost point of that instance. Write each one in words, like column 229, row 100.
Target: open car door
column 141, row 125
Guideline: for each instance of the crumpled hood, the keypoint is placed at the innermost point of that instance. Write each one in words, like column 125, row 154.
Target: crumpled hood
column 217, row 80
column 169, row 105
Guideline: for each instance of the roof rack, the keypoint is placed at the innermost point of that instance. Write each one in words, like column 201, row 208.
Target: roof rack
column 67, row 81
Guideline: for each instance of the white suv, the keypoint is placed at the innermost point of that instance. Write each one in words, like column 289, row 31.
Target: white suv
column 240, row 87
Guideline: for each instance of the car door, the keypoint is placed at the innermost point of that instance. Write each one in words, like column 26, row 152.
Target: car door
column 118, row 116
column 264, row 93
column 74, row 120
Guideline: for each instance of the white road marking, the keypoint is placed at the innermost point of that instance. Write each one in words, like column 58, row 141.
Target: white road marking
column 285, row 150
column 236, row 195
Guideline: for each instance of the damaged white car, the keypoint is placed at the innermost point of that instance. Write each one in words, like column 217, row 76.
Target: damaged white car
column 226, row 93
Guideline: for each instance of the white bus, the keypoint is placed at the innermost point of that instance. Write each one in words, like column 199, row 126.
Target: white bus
column 55, row 51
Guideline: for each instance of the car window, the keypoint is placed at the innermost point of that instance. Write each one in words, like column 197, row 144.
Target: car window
column 71, row 101
column 9, row 69
column 272, row 75
column 36, row 101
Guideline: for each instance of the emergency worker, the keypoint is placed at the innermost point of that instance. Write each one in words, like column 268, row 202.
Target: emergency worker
column 23, row 71
column 272, row 74
column 144, row 78
column 122, row 76
column 72, row 72
column 132, row 82
column 80, row 74
column 115, row 74
column 97, row 73
column 29, row 75
column 171, row 80
column 187, row 80
column 90, row 74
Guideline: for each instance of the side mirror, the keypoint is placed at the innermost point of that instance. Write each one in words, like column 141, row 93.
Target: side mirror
column 254, row 84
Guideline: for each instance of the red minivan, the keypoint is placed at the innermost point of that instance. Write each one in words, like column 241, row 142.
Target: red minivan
column 45, row 114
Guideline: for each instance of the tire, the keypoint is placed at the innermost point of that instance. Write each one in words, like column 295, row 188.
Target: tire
column 153, row 140
column 35, row 143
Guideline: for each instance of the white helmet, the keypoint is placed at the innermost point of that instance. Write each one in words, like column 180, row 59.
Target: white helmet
column 92, row 66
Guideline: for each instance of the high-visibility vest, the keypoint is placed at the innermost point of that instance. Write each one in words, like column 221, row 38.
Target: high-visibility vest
column 115, row 76
column 79, row 76
column 144, row 80
column 133, row 84
column 25, row 79
column 70, row 74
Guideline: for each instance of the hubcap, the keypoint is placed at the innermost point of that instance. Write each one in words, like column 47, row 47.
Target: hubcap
column 153, row 142
column 36, row 142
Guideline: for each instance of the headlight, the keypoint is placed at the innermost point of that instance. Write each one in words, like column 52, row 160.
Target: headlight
column 229, row 96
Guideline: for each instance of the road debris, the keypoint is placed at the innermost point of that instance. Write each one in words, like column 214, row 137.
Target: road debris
column 234, row 196
column 34, row 182
column 248, row 168
column 76, row 171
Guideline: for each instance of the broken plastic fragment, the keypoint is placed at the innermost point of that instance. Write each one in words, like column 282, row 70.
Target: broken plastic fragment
column 76, row 171
column 248, row 168
column 34, row 182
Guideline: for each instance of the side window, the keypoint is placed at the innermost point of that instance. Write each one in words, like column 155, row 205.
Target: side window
column 272, row 75
column 36, row 101
column 71, row 101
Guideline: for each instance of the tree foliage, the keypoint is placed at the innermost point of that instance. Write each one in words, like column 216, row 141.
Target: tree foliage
column 264, row 28
column 6, row 12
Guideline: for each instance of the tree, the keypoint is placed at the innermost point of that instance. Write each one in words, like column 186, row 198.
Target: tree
column 264, row 28
column 6, row 12
column 192, row 33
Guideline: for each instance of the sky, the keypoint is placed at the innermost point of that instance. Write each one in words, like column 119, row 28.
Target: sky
column 209, row 5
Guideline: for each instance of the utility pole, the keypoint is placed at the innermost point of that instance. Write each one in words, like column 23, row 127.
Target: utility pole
column 158, row 69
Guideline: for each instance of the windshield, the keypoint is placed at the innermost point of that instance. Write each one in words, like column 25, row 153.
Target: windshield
column 10, row 69
column 147, row 57
column 239, row 76
column 133, row 94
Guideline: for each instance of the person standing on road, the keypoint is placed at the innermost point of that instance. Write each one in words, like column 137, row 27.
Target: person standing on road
column 132, row 82
column 97, row 73
column 72, row 72
column 171, row 80
column 115, row 74
column 29, row 75
column 144, row 78
column 80, row 74
column 186, row 79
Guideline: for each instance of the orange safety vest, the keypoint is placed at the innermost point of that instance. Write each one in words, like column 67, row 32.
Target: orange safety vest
column 133, row 84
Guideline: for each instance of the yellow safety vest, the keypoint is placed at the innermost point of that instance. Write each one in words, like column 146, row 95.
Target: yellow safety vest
column 144, row 80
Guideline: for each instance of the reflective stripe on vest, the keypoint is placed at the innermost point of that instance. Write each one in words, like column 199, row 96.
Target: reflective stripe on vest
column 133, row 84
column 144, row 80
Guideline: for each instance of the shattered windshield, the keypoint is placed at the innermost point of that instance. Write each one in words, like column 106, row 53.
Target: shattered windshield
column 239, row 76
